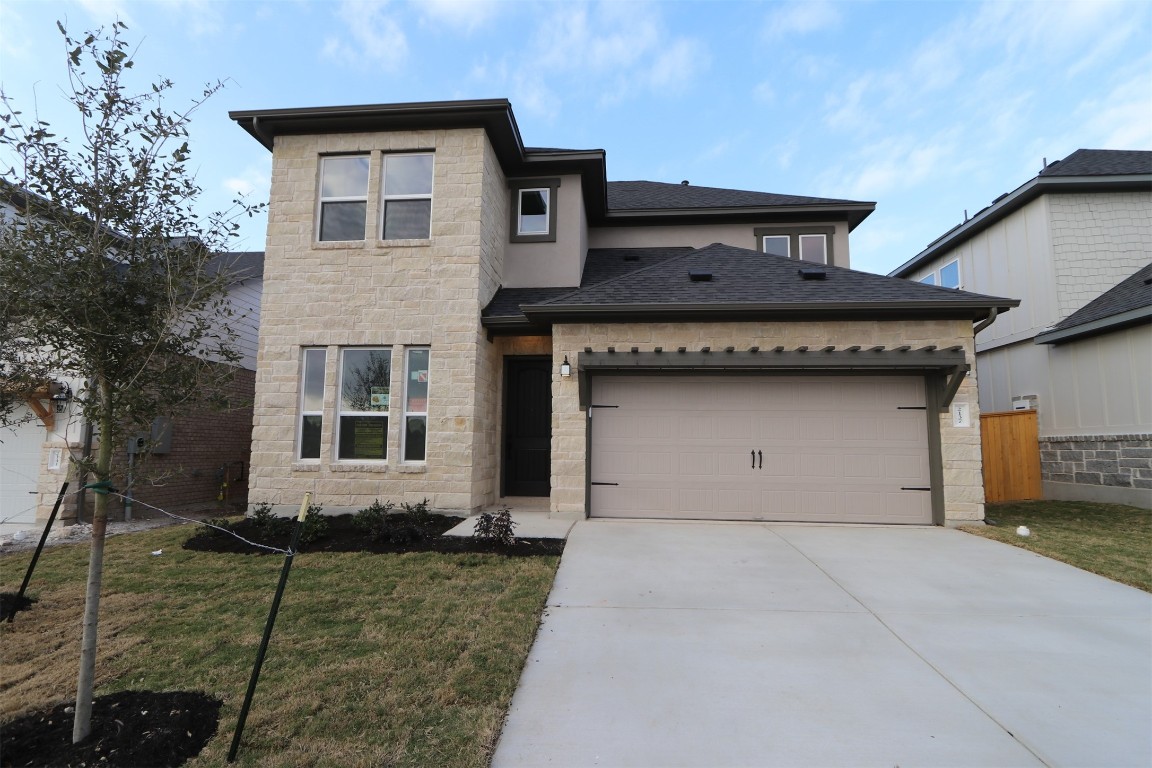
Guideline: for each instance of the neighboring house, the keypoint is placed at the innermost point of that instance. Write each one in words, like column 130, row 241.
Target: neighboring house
column 204, row 449
column 1075, row 243
column 452, row 315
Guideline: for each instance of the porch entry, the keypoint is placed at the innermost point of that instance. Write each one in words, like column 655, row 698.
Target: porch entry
column 527, row 426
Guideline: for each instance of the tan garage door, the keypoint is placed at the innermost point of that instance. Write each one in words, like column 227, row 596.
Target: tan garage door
column 820, row 448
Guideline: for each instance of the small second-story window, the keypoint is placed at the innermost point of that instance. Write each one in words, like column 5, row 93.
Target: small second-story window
column 343, row 197
column 311, row 403
column 533, row 218
column 950, row 275
column 929, row 279
column 407, row 197
column 814, row 248
column 777, row 245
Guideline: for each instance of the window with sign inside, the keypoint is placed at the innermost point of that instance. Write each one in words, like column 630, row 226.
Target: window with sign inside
column 415, row 436
column 365, row 381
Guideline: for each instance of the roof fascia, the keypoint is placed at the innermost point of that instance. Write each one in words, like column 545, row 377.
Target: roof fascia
column 854, row 214
column 974, row 309
column 1096, row 327
column 1015, row 200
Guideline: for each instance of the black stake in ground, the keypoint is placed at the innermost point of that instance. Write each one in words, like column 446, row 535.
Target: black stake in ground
column 40, row 547
column 268, row 628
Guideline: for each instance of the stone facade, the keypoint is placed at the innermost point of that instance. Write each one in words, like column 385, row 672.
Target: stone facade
column 1114, row 461
column 960, row 446
column 374, row 293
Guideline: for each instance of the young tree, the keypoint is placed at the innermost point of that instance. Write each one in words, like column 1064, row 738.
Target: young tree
column 108, row 273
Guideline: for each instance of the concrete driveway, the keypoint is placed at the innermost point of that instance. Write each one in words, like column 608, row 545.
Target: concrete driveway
column 762, row 644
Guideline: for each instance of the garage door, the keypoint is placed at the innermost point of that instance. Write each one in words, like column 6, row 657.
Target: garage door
column 821, row 449
column 19, row 466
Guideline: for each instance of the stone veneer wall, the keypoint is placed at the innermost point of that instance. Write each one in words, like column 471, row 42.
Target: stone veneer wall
column 1117, row 461
column 960, row 446
column 379, row 293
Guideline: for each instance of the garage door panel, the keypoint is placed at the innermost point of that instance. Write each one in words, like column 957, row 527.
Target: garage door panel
column 835, row 449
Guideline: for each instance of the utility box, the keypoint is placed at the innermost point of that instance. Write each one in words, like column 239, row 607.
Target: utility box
column 158, row 441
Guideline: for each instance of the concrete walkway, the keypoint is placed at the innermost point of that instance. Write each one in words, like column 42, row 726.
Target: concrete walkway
column 761, row 644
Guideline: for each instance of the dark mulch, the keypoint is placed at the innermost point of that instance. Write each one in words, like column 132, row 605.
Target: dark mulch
column 403, row 534
column 11, row 603
column 130, row 729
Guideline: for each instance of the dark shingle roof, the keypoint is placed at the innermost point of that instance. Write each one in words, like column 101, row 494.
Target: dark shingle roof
column 1101, row 162
column 743, row 284
column 1129, row 303
column 655, row 195
column 602, row 264
column 742, row 276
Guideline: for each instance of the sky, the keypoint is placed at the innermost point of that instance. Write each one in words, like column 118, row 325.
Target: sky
column 928, row 109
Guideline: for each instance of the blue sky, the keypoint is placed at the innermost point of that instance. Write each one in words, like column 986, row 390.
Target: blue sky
column 926, row 108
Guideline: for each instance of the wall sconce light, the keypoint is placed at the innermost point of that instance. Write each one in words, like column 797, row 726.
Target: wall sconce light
column 61, row 395
column 565, row 367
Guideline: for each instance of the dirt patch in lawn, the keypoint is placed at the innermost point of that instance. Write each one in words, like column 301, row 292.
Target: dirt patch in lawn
column 403, row 533
column 130, row 728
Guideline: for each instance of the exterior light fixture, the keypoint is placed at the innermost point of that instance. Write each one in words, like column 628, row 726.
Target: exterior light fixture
column 565, row 367
column 61, row 395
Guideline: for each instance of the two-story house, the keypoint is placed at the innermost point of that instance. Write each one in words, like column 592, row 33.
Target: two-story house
column 203, row 459
column 452, row 315
column 1075, row 243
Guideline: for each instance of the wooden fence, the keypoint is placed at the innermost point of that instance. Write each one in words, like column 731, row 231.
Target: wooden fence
column 1010, row 445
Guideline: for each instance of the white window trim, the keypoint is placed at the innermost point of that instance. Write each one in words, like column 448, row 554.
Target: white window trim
column 800, row 240
column 321, row 200
column 340, row 412
column 385, row 198
column 406, row 413
column 300, row 406
column 520, row 211
column 787, row 242
column 936, row 276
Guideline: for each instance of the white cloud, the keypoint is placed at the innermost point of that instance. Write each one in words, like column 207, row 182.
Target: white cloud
column 800, row 18
column 105, row 12
column 250, row 182
column 764, row 92
column 896, row 164
column 372, row 36
column 461, row 15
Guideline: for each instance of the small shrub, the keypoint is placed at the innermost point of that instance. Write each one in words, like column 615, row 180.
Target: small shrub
column 496, row 527
column 269, row 523
column 401, row 533
column 220, row 526
column 373, row 519
column 315, row 525
column 417, row 513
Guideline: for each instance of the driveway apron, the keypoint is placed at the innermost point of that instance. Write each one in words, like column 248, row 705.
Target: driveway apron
column 765, row 644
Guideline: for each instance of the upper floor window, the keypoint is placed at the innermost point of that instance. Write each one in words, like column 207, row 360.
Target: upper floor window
column 406, row 197
column 948, row 276
column 812, row 244
column 343, row 197
column 533, row 210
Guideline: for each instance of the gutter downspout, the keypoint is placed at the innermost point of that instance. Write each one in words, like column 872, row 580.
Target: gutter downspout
column 985, row 322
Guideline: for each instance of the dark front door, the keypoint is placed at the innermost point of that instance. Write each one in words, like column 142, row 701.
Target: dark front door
column 527, row 426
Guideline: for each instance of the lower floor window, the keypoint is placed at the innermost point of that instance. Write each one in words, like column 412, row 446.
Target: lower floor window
column 365, row 381
column 416, row 405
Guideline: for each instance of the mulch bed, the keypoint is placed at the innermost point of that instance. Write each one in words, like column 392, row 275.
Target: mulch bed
column 11, row 603
column 404, row 534
column 130, row 729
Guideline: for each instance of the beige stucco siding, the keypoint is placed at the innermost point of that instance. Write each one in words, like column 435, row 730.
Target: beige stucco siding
column 700, row 235
column 960, row 446
column 559, row 263
column 377, row 293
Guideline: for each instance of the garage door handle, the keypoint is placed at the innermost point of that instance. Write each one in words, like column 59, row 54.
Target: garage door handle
column 904, row 488
column 753, row 459
column 761, row 454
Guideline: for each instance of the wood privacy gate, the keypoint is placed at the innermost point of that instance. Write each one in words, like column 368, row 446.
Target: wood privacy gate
column 1010, row 445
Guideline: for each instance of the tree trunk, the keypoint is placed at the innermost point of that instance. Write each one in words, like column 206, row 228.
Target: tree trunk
column 82, row 724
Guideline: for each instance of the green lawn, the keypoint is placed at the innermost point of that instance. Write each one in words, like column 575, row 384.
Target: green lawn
column 1109, row 539
column 405, row 660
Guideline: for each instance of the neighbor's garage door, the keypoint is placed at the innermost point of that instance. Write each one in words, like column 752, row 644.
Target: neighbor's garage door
column 19, row 467
column 826, row 449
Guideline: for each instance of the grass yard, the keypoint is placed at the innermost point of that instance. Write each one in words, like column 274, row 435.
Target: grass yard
column 1109, row 539
column 376, row 660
